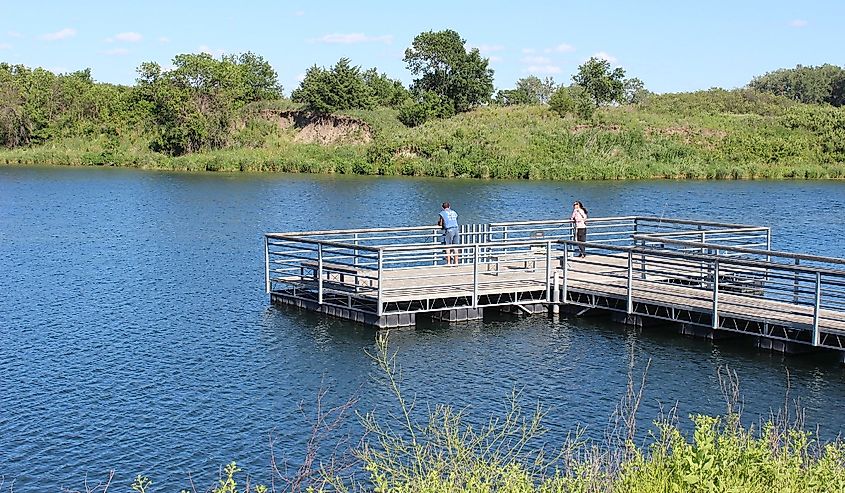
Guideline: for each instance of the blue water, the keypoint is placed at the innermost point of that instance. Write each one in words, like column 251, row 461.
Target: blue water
column 136, row 336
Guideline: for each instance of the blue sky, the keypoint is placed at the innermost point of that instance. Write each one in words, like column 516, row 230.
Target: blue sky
column 670, row 45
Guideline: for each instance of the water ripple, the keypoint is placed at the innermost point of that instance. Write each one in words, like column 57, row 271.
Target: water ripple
column 136, row 336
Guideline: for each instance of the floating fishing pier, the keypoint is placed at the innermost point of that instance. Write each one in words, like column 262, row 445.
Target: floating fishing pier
column 708, row 279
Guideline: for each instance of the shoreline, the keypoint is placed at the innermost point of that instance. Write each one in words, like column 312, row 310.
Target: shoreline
column 271, row 168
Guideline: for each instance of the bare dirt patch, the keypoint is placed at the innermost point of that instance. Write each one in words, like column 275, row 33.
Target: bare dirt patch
column 687, row 132
column 577, row 129
column 321, row 129
column 690, row 135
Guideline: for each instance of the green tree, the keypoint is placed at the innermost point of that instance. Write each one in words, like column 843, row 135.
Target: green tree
column 37, row 105
column 572, row 100
column 384, row 90
column 601, row 83
column 634, row 91
column 195, row 104
column 461, row 79
column 529, row 90
column 812, row 85
column 428, row 106
column 259, row 80
column 15, row 126
column 340, row 88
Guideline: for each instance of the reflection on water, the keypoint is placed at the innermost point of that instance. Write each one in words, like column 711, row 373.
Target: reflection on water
column 137, row 337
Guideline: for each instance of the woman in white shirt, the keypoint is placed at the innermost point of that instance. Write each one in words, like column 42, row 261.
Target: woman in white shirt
column 579, row 217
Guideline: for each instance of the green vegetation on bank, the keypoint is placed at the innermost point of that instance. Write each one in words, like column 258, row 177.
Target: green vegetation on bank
column 229, row 114
column 441, row 452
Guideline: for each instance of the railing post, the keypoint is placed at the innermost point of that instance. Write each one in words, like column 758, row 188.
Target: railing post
column 636, row 224
column 795, row 282
column 642, row 260
column 355, row 253
column 463, row 233
column 434, row 252
column 380, row 279
column 768, row 256
column 630, row 305
column 487, row 240
column 475, row 275
column 817, row 309
column 715, row 323
column 564, row 289
column 320, row 273
column 266, row 265
column 768, row 244
column 549, row 271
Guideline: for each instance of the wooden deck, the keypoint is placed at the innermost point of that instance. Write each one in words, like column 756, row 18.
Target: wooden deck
column 600, row 276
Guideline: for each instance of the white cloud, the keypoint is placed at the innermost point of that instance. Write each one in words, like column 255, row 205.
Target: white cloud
column 542, row 69
column 528, row 51
column 13, row 34
column 116, row 52
column 299, row 13
column 561, row 48
column 128, row 37
column 207, row 49
column 489, row 48
column 605, row 56
column 496, row 59
column 353, row 38
column 5, row 46
column 63, row 34
column 163, row 39
column 536, row 60
column 799, row 23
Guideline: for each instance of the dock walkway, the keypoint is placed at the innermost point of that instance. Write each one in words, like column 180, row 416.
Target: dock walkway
column 713, row 276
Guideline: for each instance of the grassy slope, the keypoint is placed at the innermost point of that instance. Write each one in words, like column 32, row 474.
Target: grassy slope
column 707, row 135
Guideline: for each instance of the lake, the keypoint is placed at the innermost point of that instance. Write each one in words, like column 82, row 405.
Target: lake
column 137, row 337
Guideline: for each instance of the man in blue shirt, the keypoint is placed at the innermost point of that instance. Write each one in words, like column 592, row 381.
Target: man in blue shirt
column 448, row 220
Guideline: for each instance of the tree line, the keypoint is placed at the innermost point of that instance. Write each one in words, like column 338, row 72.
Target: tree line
column 198, row 103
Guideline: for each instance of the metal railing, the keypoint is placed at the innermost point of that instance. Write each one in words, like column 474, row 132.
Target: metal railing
column 717, row 268
column 769, row 288
column 339, row 261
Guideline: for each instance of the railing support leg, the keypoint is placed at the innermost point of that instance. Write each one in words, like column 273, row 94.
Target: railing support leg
column 642, row 261
column 475, row 276
column 630, row 305
column 320, row 273
column 768, row 244
column 549, row 271
column 817, row 309
column 355, row 253
column 564, row 289
column 715, row 324
column 266, row 266
column 434, row 240
column 380, row 281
